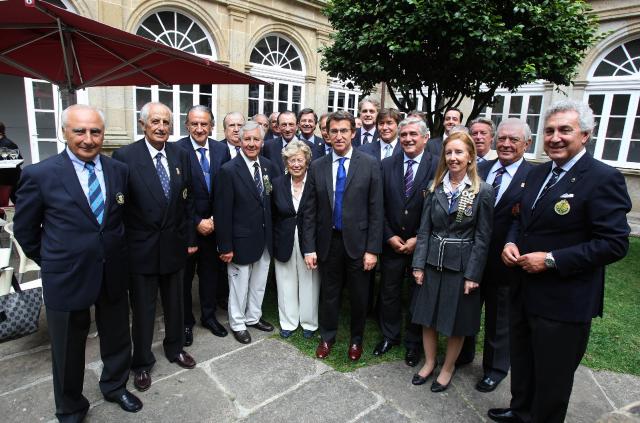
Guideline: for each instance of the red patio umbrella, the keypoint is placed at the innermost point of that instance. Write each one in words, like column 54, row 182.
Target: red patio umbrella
column 39, row 40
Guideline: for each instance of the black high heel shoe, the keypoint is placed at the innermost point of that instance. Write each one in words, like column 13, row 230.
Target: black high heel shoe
column 419, row 380
column 438, row 387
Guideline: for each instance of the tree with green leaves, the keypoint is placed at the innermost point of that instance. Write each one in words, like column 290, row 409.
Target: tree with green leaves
column 451, row 49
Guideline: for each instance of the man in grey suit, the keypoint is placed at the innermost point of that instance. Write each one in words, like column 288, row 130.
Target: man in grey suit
column 339, row 236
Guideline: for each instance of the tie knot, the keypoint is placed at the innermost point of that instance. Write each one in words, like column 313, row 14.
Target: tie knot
column 410, row 162
column 89, row 166
column 557, row 171
column 159, row 156
column 202, row 150
column 341, row 160
column 501, row 170
column 256, row 165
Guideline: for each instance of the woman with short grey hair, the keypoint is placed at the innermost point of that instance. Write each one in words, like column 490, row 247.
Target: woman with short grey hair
column 298, row 287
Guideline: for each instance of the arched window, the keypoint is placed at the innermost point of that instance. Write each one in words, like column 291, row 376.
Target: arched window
column 184, row 33
column 613, row 94
column 275, row 59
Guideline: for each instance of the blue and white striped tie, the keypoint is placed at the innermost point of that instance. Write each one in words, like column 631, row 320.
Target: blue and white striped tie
column 96, row 199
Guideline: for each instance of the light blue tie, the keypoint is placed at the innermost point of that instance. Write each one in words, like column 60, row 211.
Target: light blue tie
column 162, row 174
column 96, row 199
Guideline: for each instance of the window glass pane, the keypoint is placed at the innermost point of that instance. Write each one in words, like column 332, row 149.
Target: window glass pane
column 267, row 108
column 340, row 101
column 352, row 102
column 591, row 147
column 166, row 98
column 617, row 56
column 635, row 133
column 515, row 106
column 533, row 122
column 604, row 69
column 282, row 106
column 535, row 104
column 615, row 127
column 186, row 101
column 183, row 128
column 206, row 88
column 45, row 125
column 295, row 108
column 47, row 149
column 283, row 93
column 498, row 104
column 296, row 64
column 633, row 48
column 205, row 100
column 253, row 107
column 610, row 150
column 634, row 152
column 272, row 43
column 596, row 101
column 620, row 104
column 332, row 95
column 532, row 146
column 296, row 94
column 42, row 95
column 254, row 91
column 268, row 92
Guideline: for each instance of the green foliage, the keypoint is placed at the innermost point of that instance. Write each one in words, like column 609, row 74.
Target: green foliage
column 451, row 49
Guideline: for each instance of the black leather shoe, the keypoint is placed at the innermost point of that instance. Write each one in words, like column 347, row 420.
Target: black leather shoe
column 383, row 346
column 215, row 327
column 142, row 380
column 438, row 387
column 184, row 360
column 487, row 384
column 188, row 337
column 242, row 336
column 419, row 380
column 127, row 401
column 503, row 415
column 412, row 357
column 262, row 325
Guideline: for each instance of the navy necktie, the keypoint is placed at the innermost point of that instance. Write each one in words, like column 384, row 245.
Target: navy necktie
column 256, row 178
column 555, row 174
column 366, row 138
column 408, row 178
column 237, row 149
column 206, row 170
column 498, row 181
column 341, row 179
column 96, row 199
column 162, row 174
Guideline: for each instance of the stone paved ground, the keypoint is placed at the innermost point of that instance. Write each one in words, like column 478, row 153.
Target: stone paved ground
column 271, row 381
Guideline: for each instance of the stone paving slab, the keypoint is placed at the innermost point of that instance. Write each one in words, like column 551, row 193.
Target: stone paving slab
column 384, row 414
column 620, row 388
column 330, row 397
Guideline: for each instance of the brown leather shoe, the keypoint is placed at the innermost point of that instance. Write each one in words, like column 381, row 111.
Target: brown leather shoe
column 142, row 380
column 355, row 351
column 184, row 360
column 324, row 349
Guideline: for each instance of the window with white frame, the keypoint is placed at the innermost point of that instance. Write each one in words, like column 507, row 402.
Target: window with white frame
column 612, row 92
column 278, row 61
column 184, row 33
column 343, row 98
column 526, row 104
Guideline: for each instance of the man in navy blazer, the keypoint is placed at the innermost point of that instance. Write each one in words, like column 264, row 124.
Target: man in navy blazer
column 231, row 124
column 343, row 230
column 160, row 236
column 506, row 174
column 387, row 143
column 272, row 149
column 368, row 109
column 69, row 220
column 244, row 233
column 405, row 178
column 307, row 122
column 206, row 157
column 572, row 223
column 452, row 117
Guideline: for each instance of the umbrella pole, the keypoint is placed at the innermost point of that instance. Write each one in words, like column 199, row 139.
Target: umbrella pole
column 68, row 97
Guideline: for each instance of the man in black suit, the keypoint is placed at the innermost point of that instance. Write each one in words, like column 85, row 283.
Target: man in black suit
column 244, row 234
column 343, row 230
column 307, row 122
column 272, row 150
column 274, row 131
column 326, row 148
column 387, row 144
column 263, row 120
column 506, row 174
column 231, row 124
column 368, row 109
column 206, row 158
column 69, row 220
column 572, row 223
column 405, row 178
column 160, row 236
column 452, row 117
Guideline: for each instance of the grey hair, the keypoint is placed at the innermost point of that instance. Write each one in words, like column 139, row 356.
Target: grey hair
column 459, row 128
column 517, row 122
column 422, row 126
column 144, row 112
column 294, row 147
column 484, row 121
column 260, row 114
column 368, row 100
column 65, row 113
column 250, row 126
column 585, row 114
column 200, row 108
column 230, row 114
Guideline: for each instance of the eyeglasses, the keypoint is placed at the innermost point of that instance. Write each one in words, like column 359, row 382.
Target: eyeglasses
column 296, row 160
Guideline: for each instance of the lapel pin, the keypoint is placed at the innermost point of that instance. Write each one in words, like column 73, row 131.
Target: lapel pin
column 177, row 171
column 522, row 185
column 120, row 198
column 573, row 179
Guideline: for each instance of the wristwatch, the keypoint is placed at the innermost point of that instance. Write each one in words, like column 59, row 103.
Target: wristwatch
column 549, row 261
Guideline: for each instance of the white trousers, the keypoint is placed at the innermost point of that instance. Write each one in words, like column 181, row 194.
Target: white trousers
column 298, row 291
column 246, row 291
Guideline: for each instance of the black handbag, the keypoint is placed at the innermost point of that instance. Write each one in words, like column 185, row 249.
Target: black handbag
column 19, row 312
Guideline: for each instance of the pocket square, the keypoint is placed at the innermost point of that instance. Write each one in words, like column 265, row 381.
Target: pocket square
column 566, row 195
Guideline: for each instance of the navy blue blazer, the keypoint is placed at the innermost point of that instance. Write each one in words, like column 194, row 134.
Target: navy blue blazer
column 202, row 198
column 503, row 214
column 315, row 140
column 272, row 150
column 285, row 218
column 402, row 214
column 242, row 216
column 56, row 228
column 374, row 148
column 158, row 233
column 356, row 142
column 589, row 232
column 434, row 146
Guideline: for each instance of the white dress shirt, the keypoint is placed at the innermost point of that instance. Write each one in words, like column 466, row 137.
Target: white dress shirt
column 250, row 163
column 197, row 147
column 336, row 163
column 565, row 167
column 383, row 148
column 83, row 174
column 415, row 166
column 507, row 176
column 154, row 152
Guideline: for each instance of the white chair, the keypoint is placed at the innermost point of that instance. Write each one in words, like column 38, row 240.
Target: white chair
column 26, row 264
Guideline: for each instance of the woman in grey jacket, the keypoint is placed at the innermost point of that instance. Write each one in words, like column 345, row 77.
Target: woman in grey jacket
column 450, row 255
